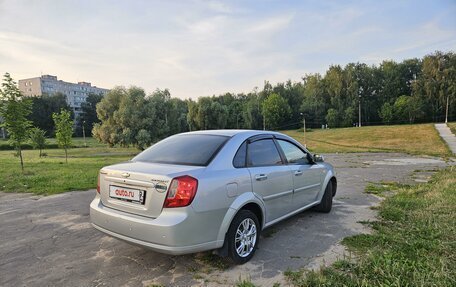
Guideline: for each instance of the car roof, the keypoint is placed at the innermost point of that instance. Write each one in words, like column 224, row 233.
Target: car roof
column 231, row 133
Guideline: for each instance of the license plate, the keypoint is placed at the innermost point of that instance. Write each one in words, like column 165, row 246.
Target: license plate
column 127, row 194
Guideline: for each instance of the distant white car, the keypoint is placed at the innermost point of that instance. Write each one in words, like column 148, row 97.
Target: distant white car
column 210, row 190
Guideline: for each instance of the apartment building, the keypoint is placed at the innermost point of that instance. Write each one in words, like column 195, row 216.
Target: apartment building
column 76, row 93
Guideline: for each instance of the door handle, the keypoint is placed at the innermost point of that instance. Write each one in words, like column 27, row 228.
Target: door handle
column 260, row 177
column 298, row 172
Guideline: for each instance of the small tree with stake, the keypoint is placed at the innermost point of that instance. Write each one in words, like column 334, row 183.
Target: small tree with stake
column 63, row 130
column 14, row 110
column 38, row 139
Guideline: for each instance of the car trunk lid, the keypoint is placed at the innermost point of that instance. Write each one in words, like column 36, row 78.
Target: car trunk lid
column 139, row 187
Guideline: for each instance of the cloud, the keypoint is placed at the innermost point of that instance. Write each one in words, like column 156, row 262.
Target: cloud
column 219, row 7
column 426, row 36
column 271, row 24
column 423, row 39
column 199, row 48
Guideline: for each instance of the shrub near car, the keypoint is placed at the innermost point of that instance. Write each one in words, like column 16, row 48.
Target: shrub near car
column 210, row 190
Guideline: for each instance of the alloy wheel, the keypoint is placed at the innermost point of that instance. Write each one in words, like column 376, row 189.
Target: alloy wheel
column 246, row 236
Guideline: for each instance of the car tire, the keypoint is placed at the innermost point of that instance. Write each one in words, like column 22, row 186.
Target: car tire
column 241, row 245
column 326, row 202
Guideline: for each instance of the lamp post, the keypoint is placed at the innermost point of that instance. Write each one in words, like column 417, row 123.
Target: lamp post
column 304, row 129
column 264, row 122
column 83, row 133
column 443, row 81
column 360, row 90
column 448, row 97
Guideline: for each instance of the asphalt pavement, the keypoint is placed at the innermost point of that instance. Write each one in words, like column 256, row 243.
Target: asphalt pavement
column 446, row 134
column 48, row 241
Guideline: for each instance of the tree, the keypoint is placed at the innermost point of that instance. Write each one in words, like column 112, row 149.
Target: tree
column 192, row 115
column 407, row 108
column 427, row 84
column 349, row 117
column 334, row 83
column 38, row 139
column 218, row 116
column 203, row 114
column 42, row 109
column 252, row 116
column 14, row 109
column 392, row 83
column 89, row 113
column 276, row 111
column 159, row 119
column 208, row 113
column 63, row 130
column 177, row 116
column 234, row 118
column 110, row 123
column 386, row 113
column 332, row 118
column 436, row 83
column 315, row 101
column 143, row 139
column 292, row 93
column 123, row 113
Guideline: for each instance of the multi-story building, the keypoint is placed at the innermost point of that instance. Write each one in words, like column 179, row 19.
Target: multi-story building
column 76, row 94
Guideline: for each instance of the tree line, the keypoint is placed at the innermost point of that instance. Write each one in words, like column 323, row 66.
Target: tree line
column 44, row 106
column 414, row 90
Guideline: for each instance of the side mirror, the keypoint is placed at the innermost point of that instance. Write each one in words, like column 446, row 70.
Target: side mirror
column 318, row 158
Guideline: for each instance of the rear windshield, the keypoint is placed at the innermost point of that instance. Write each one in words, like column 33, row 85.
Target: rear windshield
column 184, row 150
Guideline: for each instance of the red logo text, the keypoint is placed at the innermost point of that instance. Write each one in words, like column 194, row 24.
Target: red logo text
column 125, row 193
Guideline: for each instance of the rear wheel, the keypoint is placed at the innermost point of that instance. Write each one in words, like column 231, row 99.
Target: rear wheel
column 326, row 202
column 242, row 237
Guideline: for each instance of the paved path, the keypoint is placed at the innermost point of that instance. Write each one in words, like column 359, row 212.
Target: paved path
column 447, row 136
column 48, row 241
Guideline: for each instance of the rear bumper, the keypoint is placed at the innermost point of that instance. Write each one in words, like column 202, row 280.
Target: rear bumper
column 173, row 250
column 176, row 231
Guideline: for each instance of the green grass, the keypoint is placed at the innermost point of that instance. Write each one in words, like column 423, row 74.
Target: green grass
column 412, row 139
column 245, row 283
column 413, row 243
column 214, row 261
column 51, row 175
column 383, row 187
column 452, row 127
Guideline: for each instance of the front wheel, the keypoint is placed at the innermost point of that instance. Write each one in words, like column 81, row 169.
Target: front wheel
column 327, row 200
column 242, row 237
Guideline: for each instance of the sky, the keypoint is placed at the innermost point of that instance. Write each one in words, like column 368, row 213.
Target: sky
column 203, row 48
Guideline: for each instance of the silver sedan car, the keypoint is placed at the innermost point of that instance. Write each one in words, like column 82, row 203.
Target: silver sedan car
column 209, row 190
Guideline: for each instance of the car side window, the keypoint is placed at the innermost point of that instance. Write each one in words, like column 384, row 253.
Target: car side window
column 241, row 156
column 293, row 154
column 263, row 153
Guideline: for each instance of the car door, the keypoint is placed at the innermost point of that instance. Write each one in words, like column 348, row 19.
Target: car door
column 271, row 178
column 307, row 176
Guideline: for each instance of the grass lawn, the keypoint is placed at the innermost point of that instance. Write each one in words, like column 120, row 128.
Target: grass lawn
column 413, row 139
column 413, row 243
column 452, row 127
column 51, row 175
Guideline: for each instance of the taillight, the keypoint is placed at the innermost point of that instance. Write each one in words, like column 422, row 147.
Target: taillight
column 98, row 183
column 181, row 191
